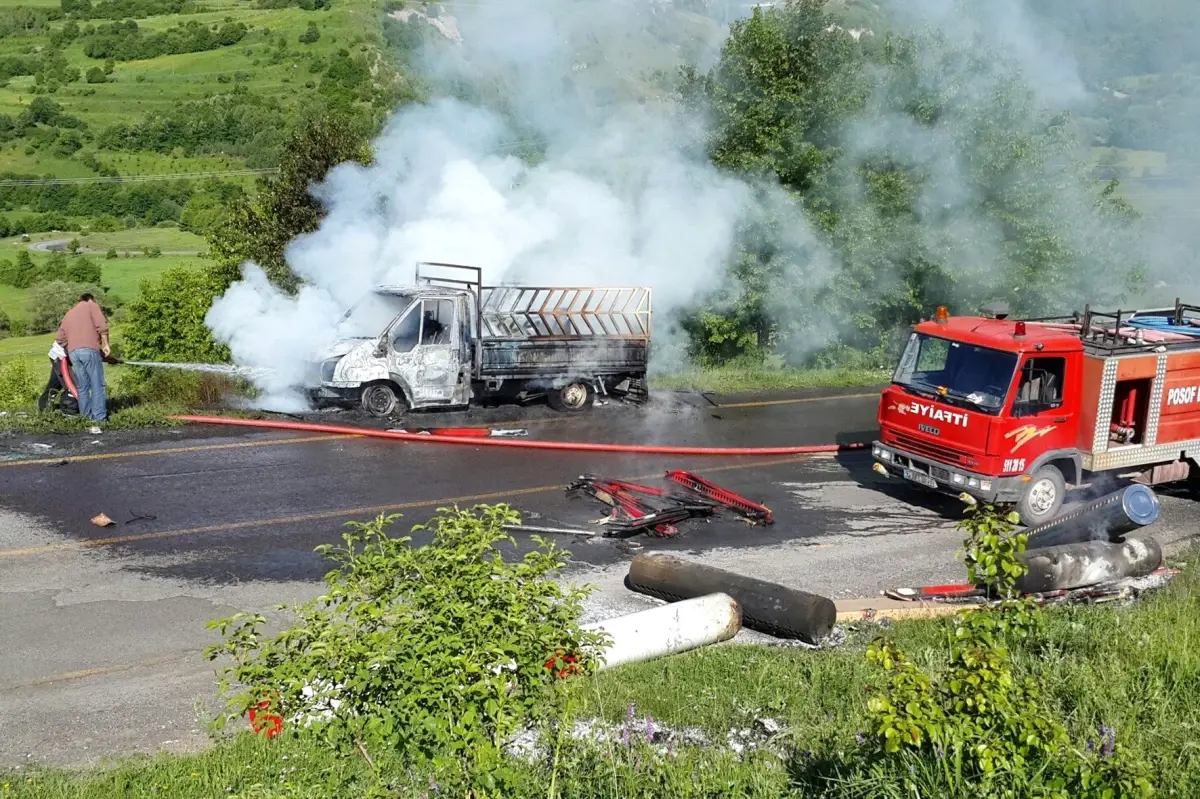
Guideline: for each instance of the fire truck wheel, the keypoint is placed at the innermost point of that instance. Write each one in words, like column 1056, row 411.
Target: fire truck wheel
column 380, row 400
column 572, row 398
column 1043, row 496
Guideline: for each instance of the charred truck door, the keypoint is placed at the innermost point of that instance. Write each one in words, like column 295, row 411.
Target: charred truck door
column 424, row 353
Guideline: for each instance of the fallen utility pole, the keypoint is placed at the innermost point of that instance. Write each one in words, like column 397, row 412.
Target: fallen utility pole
column 766, row 607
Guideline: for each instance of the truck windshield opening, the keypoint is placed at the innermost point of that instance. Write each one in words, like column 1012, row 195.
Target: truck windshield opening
column 373, row 313
column 962, row 374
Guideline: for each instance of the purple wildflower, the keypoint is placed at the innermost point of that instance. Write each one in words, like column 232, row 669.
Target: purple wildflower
column 1108, row 740
column 940, row 752
column 627, row 733
column 433, row 786
column 862, row 739
column 649, row 729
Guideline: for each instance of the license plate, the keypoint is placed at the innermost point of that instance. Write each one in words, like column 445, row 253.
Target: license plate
column 920, row 478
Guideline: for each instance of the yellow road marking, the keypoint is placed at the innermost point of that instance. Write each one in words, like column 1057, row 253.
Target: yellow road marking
column 363, row 511
column 101, row 670
column 138, row 453
column 796, row 400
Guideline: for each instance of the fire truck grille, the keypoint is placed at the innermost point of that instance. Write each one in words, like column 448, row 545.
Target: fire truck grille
column 919, row 447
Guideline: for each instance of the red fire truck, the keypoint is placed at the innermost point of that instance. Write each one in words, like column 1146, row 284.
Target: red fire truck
column 1013, row 412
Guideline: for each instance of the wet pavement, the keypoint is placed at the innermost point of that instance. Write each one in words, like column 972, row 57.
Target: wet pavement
column 104, row 625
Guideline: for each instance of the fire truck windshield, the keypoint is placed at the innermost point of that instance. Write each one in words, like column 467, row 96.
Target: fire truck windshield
column 963, row 374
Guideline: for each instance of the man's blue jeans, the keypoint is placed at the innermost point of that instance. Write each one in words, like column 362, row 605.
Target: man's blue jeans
column 87, row 368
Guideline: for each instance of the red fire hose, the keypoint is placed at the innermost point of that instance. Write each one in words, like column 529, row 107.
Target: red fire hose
column 570, row 446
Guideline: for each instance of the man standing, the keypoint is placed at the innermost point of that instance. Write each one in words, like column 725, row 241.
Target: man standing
column 84, row 335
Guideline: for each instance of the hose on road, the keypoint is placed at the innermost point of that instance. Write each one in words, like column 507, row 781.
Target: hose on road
column 568, row 446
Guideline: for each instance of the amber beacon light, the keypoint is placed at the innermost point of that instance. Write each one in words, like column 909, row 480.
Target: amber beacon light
column 942, row 315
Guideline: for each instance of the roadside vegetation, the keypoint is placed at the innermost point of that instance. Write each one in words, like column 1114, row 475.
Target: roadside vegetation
column 435, row 698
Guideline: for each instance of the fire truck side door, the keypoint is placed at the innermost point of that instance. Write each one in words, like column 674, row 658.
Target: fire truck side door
column 1039, row 418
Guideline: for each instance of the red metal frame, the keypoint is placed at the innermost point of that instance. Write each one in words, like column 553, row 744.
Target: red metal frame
column 735, row 502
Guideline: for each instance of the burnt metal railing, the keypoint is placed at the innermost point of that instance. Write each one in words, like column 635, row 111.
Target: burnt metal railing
column 562, row 312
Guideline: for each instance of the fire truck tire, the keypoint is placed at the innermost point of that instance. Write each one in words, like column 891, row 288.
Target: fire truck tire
column 574, row 397
column 1043, row 496
column 380, row 400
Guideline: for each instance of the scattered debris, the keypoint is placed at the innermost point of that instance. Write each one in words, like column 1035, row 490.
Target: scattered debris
column 638, row 508
column 463, row 432
column 100, row 520
column 756, row 513
column 1113, row 590
column 137, row 517
column 525, row 528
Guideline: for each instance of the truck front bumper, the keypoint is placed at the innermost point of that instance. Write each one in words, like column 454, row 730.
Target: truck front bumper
column 945, row 479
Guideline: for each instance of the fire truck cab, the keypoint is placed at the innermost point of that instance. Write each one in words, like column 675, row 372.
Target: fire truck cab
column 1013, row 412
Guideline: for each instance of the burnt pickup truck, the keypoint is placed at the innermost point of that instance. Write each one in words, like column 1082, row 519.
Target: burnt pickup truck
column 450, row 341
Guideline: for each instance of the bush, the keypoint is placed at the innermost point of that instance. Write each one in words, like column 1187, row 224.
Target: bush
column 106, row 223
column 19, row 386
column 974, row 727
column 5, row 324
column 166, row 322
column 111, row 254
column 48, row 302
column 311, row 34
column 436, row 653
column 97, row 75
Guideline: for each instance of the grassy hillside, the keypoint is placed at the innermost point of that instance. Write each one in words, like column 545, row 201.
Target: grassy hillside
column 268, row 70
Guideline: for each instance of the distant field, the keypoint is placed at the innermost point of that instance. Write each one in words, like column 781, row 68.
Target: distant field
column 122, row 276
column 167, row 239
column 137, row 88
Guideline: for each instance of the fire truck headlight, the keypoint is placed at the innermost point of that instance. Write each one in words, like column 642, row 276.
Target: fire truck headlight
column 986, row 485
column 882, row 454
column 958, row 479
column 973, row 482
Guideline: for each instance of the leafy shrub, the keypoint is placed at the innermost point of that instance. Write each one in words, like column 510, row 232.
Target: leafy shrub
column 311, row 34
column 111, row 254
column 48, row 302
column 435, row 653
column 974, row 726
column 19, row 386
column 96, row 75
column 106, row 223
column 166, row 322
column 5, row 324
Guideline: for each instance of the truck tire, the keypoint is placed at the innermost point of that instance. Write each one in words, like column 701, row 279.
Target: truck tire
column 574, row 397
column 1043, row 496
column 380, row 400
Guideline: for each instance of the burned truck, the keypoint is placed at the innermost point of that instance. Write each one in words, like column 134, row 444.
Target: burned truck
column 449, row 341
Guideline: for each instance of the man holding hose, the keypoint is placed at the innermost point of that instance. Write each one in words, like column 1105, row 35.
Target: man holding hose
column 84, row 335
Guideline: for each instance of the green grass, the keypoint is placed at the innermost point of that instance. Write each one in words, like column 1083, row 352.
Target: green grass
column 734, row 379
column 1136, row 669
column 122, row 277
column 137, row 88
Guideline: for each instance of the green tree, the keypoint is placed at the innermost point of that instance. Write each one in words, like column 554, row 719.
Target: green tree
column 96, row 75
column 311, row 34
column 24, row 271
column 48, row 302
column 166, row 321
column 260, row 229
column 924, row 171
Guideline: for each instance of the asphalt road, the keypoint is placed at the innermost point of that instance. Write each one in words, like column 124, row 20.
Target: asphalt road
column 104, row 626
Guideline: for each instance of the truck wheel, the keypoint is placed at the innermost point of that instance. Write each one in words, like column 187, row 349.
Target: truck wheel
column 380, row 400
column 1043, row 496
column 572, row 398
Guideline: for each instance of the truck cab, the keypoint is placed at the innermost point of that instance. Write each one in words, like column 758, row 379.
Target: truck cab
column 987, row 406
